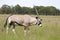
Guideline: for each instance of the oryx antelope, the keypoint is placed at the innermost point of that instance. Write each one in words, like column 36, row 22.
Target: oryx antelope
column 24, row 20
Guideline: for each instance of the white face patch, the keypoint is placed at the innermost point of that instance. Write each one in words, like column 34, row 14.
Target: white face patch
column 40, row 25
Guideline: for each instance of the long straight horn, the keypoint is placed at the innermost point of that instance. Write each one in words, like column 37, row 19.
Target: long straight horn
column 37, row 12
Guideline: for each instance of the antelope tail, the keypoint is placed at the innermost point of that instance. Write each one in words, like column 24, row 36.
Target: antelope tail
column 5, row 23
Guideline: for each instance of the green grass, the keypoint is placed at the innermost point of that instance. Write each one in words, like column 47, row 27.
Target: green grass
column 50, row 30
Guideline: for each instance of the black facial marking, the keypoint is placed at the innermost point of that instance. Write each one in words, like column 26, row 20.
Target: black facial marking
column 39, row 23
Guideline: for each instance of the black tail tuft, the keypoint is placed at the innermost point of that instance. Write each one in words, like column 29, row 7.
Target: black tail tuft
column 5, row 23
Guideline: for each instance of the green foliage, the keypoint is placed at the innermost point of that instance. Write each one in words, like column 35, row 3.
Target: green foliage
column 26, row 10
column 5, row 9
column 17, row 9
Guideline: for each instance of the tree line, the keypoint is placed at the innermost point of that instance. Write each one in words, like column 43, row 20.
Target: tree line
column 17, row 9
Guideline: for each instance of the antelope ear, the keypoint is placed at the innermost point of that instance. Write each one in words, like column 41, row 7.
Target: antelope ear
column 36, row 17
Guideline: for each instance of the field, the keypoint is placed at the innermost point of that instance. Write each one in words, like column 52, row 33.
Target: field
column 50, row 30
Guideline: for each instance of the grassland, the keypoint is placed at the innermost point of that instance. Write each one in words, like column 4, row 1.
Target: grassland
column 50, row 30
